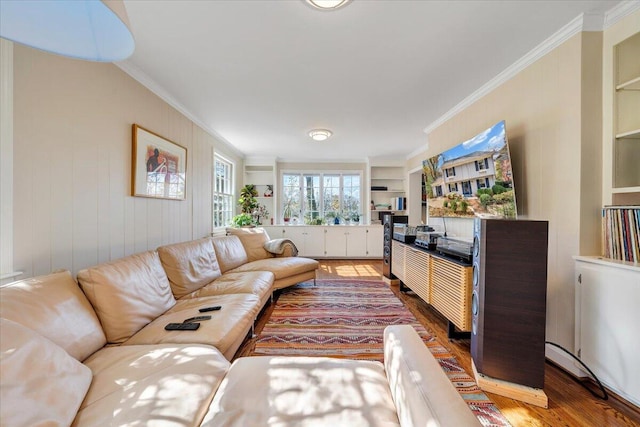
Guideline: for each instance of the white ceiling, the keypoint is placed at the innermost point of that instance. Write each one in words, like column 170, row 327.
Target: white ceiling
column 261, row 74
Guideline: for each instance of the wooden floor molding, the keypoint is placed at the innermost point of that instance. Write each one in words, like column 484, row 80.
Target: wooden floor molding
column 570, row 404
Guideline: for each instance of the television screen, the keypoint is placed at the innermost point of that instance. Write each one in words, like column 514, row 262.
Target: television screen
column 473, row 178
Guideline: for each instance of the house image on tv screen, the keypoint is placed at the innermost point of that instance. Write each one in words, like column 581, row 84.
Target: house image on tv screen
column 472, row 178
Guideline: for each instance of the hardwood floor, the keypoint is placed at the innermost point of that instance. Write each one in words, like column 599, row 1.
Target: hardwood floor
column 570, row 404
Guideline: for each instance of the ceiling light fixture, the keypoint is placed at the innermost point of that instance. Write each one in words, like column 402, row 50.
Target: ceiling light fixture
column 327, row 4
column 93, row 30
column 320, row 134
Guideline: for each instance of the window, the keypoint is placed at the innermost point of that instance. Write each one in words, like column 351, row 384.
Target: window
column 453, row 187
column 482, row 183
column 450, row 172
column 315, row 198
column 223, row 193
column 482, row 164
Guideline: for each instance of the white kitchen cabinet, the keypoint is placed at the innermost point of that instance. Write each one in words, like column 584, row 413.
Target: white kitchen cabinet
column 335, row 242
column 374, row 241
column 331, row 241
column 309, row 240
column 274, row 231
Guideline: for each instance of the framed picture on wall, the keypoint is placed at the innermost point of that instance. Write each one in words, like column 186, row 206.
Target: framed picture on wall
column 159, row 166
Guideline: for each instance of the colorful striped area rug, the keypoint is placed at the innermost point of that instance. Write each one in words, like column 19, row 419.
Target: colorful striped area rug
column 346, row 319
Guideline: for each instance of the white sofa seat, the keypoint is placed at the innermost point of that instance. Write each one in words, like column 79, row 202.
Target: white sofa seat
column 166, row 384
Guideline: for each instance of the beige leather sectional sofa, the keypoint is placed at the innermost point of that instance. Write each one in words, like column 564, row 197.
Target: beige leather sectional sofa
column 95, row 352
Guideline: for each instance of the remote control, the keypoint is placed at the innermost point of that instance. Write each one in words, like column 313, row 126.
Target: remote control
column 182, row 326
column 214, row 308
column 196, row 319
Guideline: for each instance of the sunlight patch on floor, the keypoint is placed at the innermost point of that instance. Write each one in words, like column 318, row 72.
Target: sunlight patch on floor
column 350, row 271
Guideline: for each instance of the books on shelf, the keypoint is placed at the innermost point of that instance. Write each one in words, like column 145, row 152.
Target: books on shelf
column 398, row 203
column 621, row 232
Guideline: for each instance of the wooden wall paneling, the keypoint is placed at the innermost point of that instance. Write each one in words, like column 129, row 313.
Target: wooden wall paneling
column 140, row 207
column 104, row 210
column 85, row 203
column 41, row 205
column 119, row 188
column 61, row 213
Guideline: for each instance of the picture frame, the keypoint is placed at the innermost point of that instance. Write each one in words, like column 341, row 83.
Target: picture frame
column 158, row 166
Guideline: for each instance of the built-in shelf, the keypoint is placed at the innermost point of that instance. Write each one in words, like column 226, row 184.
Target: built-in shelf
column 621, row 190
column 633, row 84
column 632, row 134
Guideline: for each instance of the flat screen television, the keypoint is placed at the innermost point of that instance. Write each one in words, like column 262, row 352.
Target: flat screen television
column 473, row 178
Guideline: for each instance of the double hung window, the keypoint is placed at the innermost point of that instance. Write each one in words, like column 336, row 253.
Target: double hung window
column 223, row 191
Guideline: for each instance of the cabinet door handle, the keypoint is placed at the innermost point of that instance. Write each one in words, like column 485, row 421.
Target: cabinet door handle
column 579, row 278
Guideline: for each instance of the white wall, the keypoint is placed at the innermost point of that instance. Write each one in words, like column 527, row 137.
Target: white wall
column 552, row 127
column 72, row 166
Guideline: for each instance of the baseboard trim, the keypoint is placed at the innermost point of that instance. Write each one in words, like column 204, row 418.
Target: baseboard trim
column 564, row 361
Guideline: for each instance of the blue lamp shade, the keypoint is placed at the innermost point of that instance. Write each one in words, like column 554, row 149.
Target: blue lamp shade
column 94, row 30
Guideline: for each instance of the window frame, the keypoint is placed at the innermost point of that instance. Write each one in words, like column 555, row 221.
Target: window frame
column 226, row 209
column 321, row 209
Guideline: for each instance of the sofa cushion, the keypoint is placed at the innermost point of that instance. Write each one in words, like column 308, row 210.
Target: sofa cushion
column 422, row 392
column 189, row 265
column 168, row 384
column 128, row 293
column 225, row 330
column 258, row 283
column 54, row 306
column 303, row 391
column 41, row 383
column 280, row 267
column 230, row 252
column 253, row 240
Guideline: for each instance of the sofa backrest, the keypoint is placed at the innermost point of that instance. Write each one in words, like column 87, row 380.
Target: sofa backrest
column 230, row 252
column 54, row 306
column 253, row 240
column 189, row 265
column 128, row 293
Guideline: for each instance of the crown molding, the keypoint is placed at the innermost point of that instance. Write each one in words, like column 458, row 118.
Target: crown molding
column 620, row 11
column 555, row 40
column 141, row 77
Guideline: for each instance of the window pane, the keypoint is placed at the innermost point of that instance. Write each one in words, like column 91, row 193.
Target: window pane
column 351, row 197
column 312, row 202
column 222, row 192
column 291, row 202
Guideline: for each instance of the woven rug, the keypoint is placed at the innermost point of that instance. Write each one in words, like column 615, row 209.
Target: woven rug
column 346, row 319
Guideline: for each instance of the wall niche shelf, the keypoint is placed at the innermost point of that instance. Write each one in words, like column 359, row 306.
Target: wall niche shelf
column 625, row 144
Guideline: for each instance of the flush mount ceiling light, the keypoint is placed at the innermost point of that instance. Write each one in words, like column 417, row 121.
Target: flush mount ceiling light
column 327, row 4
column 320, row 134
column 93, row 30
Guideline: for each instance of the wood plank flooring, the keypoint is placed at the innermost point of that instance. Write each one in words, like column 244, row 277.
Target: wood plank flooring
column 569, row 403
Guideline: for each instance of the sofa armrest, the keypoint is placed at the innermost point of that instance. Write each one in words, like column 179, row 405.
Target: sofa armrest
column 422, row 392
column 281, row 248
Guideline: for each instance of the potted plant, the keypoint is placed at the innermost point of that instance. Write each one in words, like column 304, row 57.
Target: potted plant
column 247, row 199
column 286, row 212
column 260, row 212
column 243, row 220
